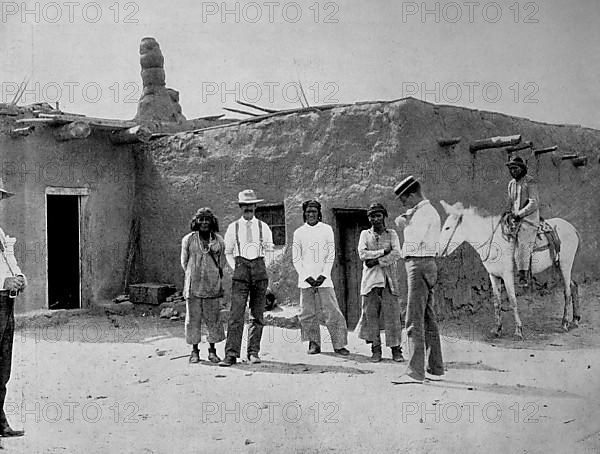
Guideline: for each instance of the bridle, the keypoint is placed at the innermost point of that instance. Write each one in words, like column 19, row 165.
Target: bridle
column 460, row 218
column 489, row 240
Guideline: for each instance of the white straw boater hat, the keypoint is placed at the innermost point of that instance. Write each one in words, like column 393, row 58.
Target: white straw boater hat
column 405, row 185
column 248, row 197
column 3, row 192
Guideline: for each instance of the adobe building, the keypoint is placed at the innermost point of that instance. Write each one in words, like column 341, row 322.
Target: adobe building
column 118, row 198
column 347, row 157
column 74, row 182
column 72, row 205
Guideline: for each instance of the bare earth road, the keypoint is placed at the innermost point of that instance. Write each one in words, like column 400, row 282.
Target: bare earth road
column 100, row 384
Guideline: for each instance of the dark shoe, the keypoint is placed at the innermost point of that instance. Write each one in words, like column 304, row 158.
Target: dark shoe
column 253, row 358
column 313, row 348
column 523, row 281
column 228, row 361
column 342, row 351
column 212, row 356
column 375, row 353
column 6, row 431
column 397, row 354
column 195, row 356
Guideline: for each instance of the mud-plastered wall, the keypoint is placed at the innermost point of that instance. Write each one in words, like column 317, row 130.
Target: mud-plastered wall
column 348, row 157
column 29, row 166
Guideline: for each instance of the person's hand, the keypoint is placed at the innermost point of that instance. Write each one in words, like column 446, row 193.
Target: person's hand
column 400, row 221
column 12, row 284
column 387, row 250
column 320, row 280
column 21, row 280
column 371, row 263
column 311, row 281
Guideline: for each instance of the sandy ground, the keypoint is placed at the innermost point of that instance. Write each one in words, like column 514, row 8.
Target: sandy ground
column 110, row 383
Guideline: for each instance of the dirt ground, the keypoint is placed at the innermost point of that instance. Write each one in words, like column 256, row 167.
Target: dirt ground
column 99, row 383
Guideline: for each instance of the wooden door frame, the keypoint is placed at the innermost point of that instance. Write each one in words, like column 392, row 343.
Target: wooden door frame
column 339, row 276
column 82, row 198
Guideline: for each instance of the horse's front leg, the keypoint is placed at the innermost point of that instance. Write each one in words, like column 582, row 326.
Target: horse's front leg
column 509, row 283
column 496, row 282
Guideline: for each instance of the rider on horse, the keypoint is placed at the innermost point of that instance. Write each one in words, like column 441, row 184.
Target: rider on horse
column 524, row 208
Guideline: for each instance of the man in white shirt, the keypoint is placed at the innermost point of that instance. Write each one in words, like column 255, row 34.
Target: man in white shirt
column 422, row 225
column 248, row 242
column 13, row 283
column 313, row 254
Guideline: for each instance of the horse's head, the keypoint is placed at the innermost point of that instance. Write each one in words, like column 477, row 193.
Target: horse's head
column 452, row 235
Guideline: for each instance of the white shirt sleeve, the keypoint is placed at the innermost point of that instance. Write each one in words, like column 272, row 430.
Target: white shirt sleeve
column 230, row 245
column 298, row 254
column 329, row 252
column 268, row 246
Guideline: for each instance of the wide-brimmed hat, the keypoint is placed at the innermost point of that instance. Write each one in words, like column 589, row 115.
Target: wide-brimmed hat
column 517, row 161
column 4, row 194
column 405, row 185
column 248, row 197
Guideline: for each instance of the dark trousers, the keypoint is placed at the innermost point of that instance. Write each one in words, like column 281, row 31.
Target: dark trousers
column 421, row 320
column 249, row 279
column 7, row 330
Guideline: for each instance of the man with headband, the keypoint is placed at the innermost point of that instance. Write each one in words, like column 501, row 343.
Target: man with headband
column 313, row 254
column 379, row 250
column 203, row 260
column 524, row 207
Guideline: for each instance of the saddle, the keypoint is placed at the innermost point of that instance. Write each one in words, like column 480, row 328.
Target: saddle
column 547, row 238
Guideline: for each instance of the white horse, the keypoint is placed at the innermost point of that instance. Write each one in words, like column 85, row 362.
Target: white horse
column 484, row 233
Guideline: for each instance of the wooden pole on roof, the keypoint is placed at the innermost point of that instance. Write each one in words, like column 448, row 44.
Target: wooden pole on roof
column 521, row 146
column 20, row 91
column 241, row 112
column 264, row 109
column 20, row 132
column 136, row 134
column 494, row 142
column 446, row 142
column 540, row 151
column 74, row 130
column 303, row 94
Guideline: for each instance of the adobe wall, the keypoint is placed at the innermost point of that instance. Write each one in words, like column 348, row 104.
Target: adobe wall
column 31, row 164
column 348, row 157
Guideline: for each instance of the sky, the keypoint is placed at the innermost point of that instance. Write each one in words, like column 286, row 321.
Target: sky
column 539, row 60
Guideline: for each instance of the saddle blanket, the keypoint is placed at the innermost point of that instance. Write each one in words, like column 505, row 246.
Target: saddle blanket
column 547, row 238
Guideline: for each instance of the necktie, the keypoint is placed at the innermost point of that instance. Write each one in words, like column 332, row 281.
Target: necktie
column 249, row 232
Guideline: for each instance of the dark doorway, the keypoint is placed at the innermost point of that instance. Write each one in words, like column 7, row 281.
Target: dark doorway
column 63, row 251
column 347, row 271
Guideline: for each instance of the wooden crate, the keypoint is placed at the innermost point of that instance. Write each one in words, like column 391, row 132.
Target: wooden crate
column 150, row 292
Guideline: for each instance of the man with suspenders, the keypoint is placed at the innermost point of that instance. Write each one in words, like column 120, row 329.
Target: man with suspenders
column 13, row 282
column 248, row 241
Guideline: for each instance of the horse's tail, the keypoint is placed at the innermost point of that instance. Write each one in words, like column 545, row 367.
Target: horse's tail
column 578, row 238
column 576, row 249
